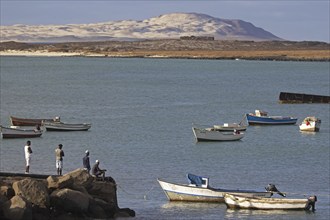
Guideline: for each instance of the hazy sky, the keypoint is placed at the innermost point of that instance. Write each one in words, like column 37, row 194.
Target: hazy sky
column 289, row 19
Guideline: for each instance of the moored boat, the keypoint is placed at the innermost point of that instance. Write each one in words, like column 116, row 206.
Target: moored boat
column 250, row 202
column 262, row 118
column 214, row 134
column 199, row 191
column 60, row 126
column 230, row 127
column 15, row 121
column 310, row 123
column 16, row 132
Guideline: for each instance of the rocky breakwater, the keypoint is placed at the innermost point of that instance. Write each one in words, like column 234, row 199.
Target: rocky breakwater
column 75, row 195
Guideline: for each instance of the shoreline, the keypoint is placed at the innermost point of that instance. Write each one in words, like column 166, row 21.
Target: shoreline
column 316, row 56
column 176, row 49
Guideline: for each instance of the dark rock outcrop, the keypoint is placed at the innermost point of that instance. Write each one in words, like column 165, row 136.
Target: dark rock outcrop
column 76, row 195
column 17, row 208
column 33, row 190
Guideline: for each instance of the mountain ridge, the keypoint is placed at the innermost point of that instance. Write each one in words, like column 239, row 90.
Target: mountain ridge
column 166, row 26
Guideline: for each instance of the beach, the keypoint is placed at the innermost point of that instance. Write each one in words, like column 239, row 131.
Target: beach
column 173, row 48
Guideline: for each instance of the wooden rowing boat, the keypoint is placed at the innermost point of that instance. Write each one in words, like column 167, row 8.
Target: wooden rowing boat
column 213, row 134
column 15, row 121
column 60, row 126
column 16, row 132
column 251, row 202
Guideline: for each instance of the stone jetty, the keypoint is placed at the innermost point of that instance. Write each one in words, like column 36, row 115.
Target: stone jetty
column 296, row 98
column 75, row 195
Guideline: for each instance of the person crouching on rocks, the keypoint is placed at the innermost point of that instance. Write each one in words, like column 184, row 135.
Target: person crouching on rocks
column 96, row 171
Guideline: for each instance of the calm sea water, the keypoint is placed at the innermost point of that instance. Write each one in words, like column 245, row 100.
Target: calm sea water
column 141, row 112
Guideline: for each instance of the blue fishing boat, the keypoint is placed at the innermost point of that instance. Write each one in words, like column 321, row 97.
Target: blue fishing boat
column 262, row 118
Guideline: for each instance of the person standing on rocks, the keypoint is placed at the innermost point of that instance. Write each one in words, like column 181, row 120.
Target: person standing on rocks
column 59, row 153
column 86, row 163
column 28, row 152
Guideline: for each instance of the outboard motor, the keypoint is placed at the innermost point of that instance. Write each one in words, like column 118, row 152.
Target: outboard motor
column 272, row 188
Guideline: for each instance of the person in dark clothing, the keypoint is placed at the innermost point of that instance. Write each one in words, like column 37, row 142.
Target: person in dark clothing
column 86, row 163
column 96, row 171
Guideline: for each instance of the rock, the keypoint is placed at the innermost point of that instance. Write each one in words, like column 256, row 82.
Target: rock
column 34, row 191
column 105, row 191
column 67, row 216
column 54, row 182
column 81, row 177
column 99, row 209
column 3, row 199
column 70, row 200
column 109, row 208
column 76, row 195
column 7, row 191
column 126, row 212
column 18, row 208
column 78, row 177
column 80, row 189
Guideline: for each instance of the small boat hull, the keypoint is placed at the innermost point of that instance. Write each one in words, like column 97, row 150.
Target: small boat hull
column 310, row 124
column 193, row 193
column 60, row 126
column 19, row 133
column 230, row 127
column 237, row 201
column 27, row 121
column 270, row 120
column 210, row 134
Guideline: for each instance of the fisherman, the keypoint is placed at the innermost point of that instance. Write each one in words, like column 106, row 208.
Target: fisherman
column 86, row 163
column 28, row 152
column 96, row 171
column 59, row 153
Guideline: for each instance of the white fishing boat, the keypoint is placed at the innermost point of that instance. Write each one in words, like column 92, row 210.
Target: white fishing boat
column 199, row 191
column 214, row 134
column 251, row 202
column 230, row 127
column 310, row 123
column 60, row 126
column 17, row 132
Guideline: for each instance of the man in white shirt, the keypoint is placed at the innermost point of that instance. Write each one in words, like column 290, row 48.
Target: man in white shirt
column 59, row 153
column 28, row 152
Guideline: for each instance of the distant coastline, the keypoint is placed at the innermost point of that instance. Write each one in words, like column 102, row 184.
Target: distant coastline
column 176, row 48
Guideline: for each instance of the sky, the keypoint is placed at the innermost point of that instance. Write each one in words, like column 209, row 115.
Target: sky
column 296, row 20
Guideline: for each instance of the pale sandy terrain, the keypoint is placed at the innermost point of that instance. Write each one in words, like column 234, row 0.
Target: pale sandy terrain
column 192, row 49
column 167, row 26
column 35, row 53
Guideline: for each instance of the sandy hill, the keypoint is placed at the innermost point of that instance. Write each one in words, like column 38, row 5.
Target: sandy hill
column 167, row 26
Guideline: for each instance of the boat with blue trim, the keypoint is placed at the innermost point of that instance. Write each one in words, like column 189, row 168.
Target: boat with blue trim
column 262, row 118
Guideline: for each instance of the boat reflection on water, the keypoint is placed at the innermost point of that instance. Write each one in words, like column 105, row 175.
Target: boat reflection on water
column 192, row 210
column 192, row 205
column 308, row 134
